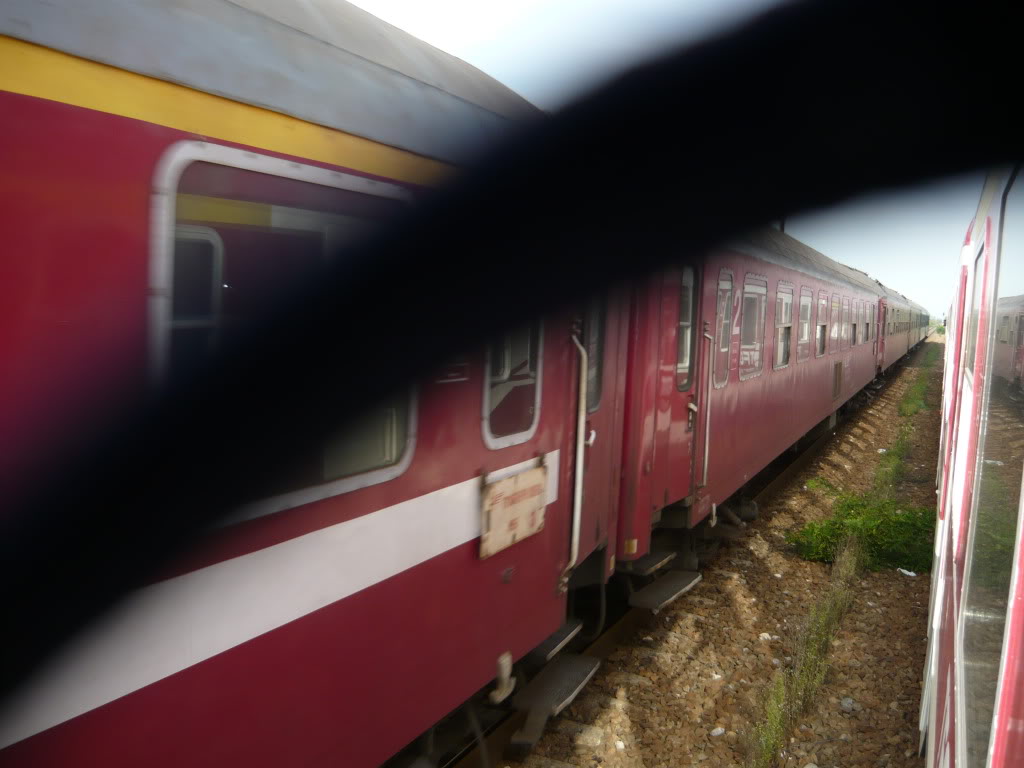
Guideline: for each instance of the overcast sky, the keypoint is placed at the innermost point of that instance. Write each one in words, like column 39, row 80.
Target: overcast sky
column 550, row 50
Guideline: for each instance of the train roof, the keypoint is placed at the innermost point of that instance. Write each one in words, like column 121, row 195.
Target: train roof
column 323, row 61
column 777, row 247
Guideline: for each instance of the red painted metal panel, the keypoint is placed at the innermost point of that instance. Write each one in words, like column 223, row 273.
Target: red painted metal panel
column 347, row 685
column 72, row 325
column 639, row 425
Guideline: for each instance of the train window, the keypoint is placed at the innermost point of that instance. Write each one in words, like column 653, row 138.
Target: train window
column 783, row 325
column 755, row 299
column 195, row 294
column 1004, row 329
column 511, row 399
column 822, row 334
column 971, row 340
column 836, row 322
column 684, row 338
column 500, row 359
column 803, row 348
column 858, row 313
column 845, row 338
column 723, row 329
column 869, row 329
column 593, row 341
column 241, row 239
column 996, row 500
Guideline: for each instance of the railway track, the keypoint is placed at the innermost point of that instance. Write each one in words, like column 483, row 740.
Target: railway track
column 841, row 449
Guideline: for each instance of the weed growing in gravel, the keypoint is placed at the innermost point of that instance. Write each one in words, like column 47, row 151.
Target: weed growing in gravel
column 913, row 399
column 890, row 465
column 769, row 735
column 821, row 484
column 792, row 691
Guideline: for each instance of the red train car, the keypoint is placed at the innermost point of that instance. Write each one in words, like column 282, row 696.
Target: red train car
column 422, row 558
column 732, row 360
column 1008, row 354
column 973, row 697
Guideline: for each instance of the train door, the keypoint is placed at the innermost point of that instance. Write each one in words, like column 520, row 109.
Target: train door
column 678, row 389
column 719, row 307
column 604, row 324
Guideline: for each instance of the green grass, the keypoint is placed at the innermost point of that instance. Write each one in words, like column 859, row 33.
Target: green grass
column 913, row 399
column 769, row 734
column 792, row 691
column 891, row 465
column 892, row 534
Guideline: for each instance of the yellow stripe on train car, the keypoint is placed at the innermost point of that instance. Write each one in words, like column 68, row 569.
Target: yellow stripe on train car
column 33, row 70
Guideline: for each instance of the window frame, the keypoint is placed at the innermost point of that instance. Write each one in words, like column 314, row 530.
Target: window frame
column 506, row 363
column 823, row 298
column 835, row 325
column 163, row 206
column 760, row 284
column 803, row 348
column 209, row 235
column 782, row 288
column 694, row 285
column 498, row 442
column 969, row 354
column 846, row 318
column 719, row 323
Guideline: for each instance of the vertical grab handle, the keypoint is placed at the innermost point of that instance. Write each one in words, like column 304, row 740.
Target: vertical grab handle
column 581, row 444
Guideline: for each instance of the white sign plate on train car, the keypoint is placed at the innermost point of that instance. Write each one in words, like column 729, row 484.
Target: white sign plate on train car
column 512, row 509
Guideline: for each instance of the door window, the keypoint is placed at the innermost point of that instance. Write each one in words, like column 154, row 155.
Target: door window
column 684, row 338
column 755, row 299
column 723, row 332
column 783, row 325
column 512, row 391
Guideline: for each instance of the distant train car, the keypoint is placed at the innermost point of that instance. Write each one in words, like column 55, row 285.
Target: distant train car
column 973, row 696
column 168, row 187
column 1008, row 355
column 773, row 337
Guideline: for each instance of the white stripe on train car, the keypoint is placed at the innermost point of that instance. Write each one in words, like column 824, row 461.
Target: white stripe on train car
column 170, row 626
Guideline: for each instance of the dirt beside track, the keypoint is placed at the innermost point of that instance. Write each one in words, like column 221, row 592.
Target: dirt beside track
column 685, row 690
